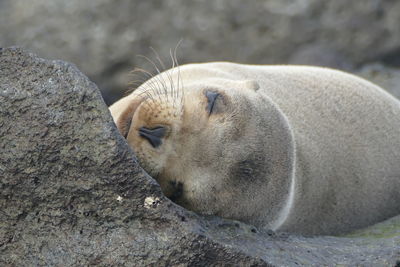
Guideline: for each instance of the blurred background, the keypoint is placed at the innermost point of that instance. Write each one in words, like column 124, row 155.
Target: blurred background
column 104, row 37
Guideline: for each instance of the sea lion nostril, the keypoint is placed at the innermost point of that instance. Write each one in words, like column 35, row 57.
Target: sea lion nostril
column 153, row 135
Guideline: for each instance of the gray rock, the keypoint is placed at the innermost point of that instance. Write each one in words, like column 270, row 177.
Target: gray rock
column 385, row 76
column 72, row 193
column 104, row 37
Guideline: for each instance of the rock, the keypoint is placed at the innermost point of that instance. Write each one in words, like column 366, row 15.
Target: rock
column 104, row 38
column 72, row 193
column 385, row 76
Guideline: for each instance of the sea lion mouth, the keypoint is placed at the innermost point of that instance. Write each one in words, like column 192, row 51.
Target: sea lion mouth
column 177, row 190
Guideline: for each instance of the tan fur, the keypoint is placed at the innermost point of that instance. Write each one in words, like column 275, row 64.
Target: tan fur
column 294, row 148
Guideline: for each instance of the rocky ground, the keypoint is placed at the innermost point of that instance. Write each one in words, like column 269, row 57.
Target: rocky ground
column 103, row 38
column 72, row 193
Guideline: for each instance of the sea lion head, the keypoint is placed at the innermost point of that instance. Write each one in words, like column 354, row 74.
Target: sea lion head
column 203, row 135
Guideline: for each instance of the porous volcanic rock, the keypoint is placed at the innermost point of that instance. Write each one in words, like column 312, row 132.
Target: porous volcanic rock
column 72, row 192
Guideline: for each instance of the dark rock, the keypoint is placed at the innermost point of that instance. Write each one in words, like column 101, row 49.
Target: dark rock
column 72, row 193
column 104, row 37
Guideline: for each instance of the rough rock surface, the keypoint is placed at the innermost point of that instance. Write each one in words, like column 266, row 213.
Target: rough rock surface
column 103, row 37
column 72, row 193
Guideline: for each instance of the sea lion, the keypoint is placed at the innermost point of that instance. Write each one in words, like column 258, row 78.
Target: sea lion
column 300, row 149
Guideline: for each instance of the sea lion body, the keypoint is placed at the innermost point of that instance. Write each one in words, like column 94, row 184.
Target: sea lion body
column 301, row 149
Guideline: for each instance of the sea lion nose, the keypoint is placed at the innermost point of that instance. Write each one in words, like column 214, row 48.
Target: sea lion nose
column 153, row 135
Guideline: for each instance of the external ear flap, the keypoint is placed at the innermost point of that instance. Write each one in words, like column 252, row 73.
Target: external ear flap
column 251, row 84
column 123, row 111
column 246, row 85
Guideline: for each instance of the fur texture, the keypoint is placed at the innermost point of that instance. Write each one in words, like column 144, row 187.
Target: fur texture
column 301, row 149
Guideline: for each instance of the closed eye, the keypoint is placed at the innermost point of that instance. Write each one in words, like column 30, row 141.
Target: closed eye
column 211, row 100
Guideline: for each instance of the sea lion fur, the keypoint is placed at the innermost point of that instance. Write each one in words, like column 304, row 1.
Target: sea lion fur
column 294, row 148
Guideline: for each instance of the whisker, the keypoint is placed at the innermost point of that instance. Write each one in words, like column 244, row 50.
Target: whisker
column 160, row 86
column 141, row 76
column 180, row 92
column 158, row 58
column 151, row 83
column 163, row 69
column 171, row 80
column 157, row 76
